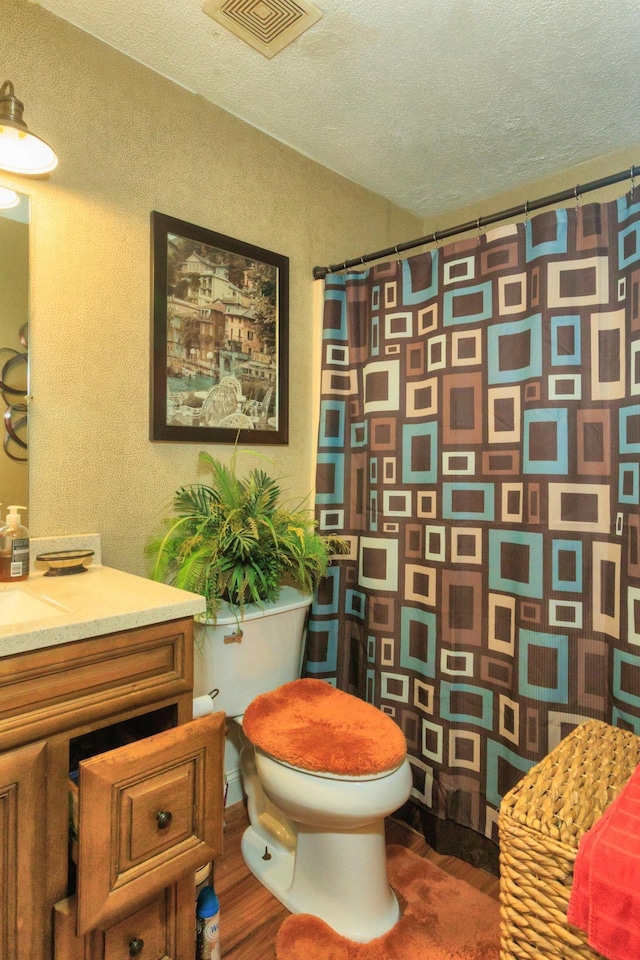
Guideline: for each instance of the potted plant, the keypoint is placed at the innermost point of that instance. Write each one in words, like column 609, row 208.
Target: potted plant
column 234, row 540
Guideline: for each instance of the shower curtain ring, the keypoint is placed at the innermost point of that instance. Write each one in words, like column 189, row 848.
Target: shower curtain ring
column 399, row 258
column 576, row 193
column 526, row 211
column 435, row 238
column 479, row 226
column 632, row 175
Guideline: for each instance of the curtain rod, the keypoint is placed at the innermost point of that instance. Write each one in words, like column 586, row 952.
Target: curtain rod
column 319, row 273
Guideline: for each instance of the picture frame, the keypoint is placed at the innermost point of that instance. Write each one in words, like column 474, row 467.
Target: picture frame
column 220, row 337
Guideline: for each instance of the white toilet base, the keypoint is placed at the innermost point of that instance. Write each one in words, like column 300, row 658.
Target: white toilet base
column 338, row 876
column 275, row 873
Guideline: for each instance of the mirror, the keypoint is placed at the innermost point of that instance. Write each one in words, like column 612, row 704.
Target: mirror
column 14, row 340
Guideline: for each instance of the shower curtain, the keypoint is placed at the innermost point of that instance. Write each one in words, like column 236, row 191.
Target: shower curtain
column 479, row 449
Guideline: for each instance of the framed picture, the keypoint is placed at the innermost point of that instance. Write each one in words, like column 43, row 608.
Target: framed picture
column 220, row 339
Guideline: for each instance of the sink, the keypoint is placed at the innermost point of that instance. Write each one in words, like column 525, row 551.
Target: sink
column 17, row 606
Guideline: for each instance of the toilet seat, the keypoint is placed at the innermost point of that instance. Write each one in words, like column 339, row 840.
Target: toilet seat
column 311, row 726
column 327, row 775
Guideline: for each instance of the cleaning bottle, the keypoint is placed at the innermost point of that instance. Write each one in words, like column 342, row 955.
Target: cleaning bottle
column 14, row 547
column 208, row 925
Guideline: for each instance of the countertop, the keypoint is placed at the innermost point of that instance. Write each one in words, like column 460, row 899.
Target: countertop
column 98, row 601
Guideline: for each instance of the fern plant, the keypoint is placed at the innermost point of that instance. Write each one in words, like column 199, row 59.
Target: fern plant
column 234, row 540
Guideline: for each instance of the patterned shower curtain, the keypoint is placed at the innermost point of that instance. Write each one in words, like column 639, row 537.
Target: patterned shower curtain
column 479, row 450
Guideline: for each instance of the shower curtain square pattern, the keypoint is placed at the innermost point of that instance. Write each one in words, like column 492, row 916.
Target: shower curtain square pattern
column 479, row 448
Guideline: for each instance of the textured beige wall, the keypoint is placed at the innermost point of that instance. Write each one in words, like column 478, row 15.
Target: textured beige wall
column 566, row 179
column 129, row 142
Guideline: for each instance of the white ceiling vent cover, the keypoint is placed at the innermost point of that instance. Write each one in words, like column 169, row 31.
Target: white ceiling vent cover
column 266, row 25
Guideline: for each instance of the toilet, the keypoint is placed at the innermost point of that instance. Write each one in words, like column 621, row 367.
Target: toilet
column 336, row 767
column 321, row 770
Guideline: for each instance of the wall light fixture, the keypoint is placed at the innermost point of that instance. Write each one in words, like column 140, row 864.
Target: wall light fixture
column 8, row 198
column 20, row 150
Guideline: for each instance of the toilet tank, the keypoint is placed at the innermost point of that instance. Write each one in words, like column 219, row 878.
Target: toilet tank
column 240, row 659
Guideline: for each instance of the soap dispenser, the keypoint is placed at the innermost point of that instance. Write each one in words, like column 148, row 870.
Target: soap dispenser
column 14, row 547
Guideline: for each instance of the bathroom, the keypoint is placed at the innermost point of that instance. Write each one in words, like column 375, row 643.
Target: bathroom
column 92, row 467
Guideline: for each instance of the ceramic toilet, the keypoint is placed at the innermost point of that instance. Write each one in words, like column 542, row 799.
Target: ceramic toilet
column 319, row 790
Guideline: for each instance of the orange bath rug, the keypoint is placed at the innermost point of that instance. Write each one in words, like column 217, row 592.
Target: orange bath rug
column 443, row 919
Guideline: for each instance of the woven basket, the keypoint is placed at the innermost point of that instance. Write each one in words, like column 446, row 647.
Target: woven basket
column 540, row 823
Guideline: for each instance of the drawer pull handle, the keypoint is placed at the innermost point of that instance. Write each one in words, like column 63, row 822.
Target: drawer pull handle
column 135, row 946
column 163, row 819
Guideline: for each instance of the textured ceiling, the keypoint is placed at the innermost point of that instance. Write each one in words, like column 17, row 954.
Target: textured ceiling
column 432, row 104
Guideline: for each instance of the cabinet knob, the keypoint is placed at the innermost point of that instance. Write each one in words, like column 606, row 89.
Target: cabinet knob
column 163, row 819
column 135, row 946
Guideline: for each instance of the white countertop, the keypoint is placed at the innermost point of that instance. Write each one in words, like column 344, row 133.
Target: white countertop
column 101, row 600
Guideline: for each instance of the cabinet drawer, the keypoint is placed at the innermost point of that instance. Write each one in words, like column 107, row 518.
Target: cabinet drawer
column 161, row 929
column 143, row 934
column 43, row 691
column 149, row 812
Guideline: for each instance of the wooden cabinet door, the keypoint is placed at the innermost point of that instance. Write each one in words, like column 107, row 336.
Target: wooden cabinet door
column 149, row 812
column 22, row 852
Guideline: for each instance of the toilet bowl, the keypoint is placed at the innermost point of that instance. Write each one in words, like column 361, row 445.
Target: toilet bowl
column 336, row 867
column 337, row 870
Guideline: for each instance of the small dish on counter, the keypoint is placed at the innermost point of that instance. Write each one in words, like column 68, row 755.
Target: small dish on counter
column 61, row 563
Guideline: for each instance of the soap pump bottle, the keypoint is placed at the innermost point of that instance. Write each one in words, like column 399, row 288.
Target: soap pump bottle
column 14, row 547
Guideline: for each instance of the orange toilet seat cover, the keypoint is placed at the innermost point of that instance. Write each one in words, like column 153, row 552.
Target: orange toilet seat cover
column 311, row 725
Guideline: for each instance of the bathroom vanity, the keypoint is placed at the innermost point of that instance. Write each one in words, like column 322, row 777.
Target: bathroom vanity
column 110, row 794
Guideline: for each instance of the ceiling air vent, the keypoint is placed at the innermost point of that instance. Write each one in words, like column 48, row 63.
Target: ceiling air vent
column 266, row 25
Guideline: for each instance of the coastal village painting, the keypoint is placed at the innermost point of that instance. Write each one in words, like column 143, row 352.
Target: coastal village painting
column 220, row 316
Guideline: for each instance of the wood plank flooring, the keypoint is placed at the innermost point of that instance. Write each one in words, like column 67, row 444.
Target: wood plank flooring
column 250, row 916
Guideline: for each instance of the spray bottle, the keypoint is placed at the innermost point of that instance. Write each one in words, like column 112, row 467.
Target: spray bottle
column 208, row 925
column 14, row 547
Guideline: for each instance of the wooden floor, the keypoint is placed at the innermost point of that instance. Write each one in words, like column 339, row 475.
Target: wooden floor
column 250, row 916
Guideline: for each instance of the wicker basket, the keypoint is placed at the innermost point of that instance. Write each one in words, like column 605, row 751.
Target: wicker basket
column 540, row 825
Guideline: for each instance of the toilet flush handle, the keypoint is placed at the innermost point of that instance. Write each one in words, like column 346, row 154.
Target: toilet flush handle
column 233, row 637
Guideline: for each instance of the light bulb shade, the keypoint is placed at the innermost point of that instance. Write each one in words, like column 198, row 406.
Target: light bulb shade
column 20, row 150
column 8, row 198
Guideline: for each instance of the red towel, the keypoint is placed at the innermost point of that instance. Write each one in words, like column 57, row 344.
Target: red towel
column 605, row 896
